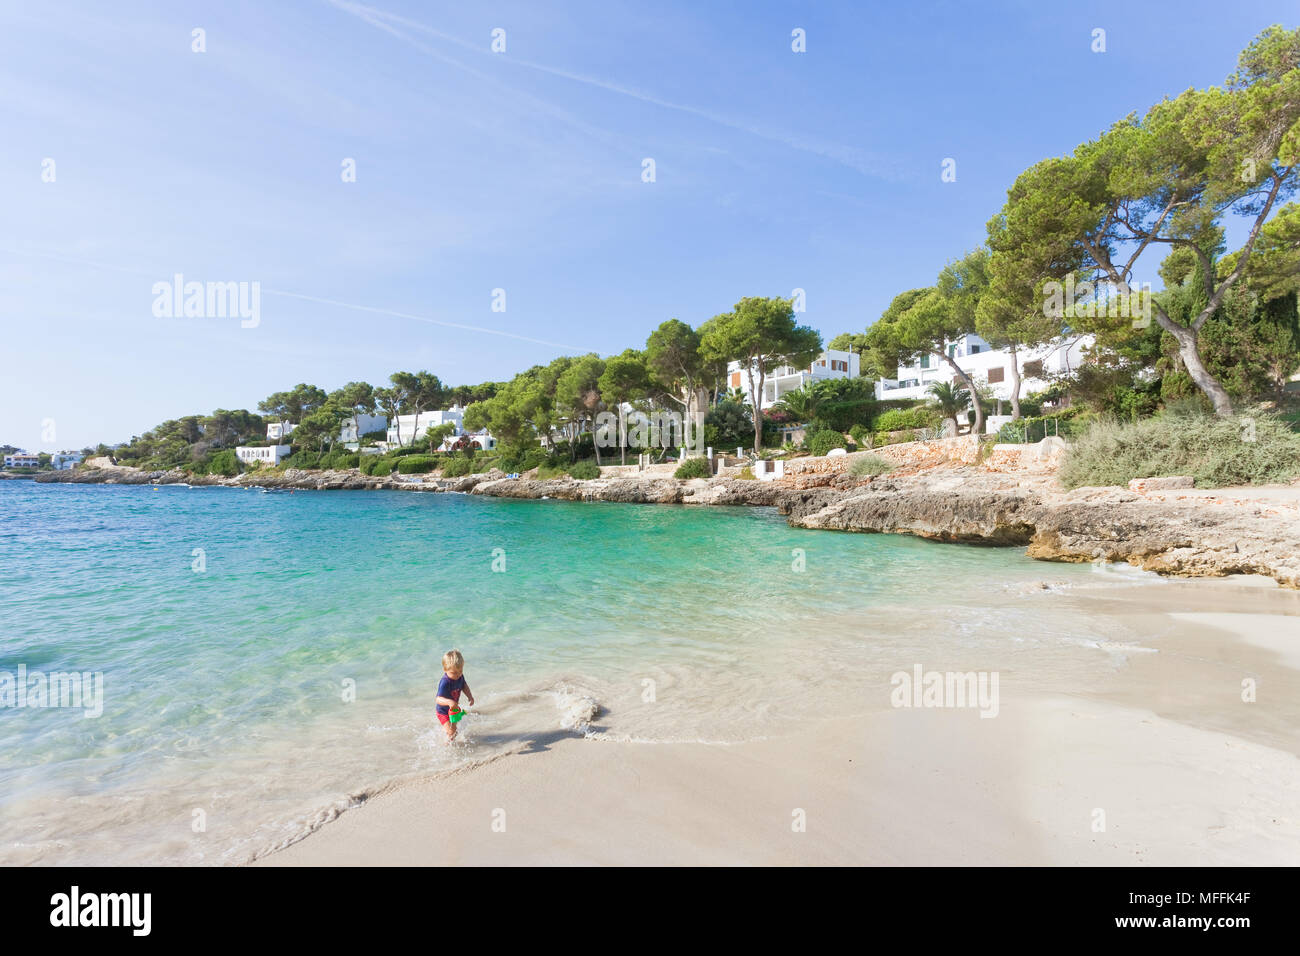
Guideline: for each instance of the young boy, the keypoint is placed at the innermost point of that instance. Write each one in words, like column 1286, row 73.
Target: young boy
column 449, row 688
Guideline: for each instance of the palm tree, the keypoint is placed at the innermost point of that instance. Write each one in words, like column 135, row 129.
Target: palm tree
column 950, row 400
column 801, row 404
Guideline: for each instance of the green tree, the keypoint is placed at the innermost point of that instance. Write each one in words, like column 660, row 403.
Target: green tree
column 1165, row 181
column 577, row 396
column 762, row 335
column 675, row 360
column 625, row 379
column 924, row 321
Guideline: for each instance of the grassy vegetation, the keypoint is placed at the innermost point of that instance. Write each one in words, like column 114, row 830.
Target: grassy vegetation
column 1216, row 452
column 693, row 468
column 869, row 465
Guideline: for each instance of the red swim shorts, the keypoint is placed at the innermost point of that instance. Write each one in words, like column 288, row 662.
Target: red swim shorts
column 442, row 718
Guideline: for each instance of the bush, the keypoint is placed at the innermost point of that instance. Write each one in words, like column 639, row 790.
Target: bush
column 746, row 474
column 860, row 434
column 869, row 465
column 456, row 467
column 584, row 470
column 1249, row 449
column 822, row 442
column 302, row 459
column 546, row 472
column 693, row 468
column 901, row 419
column 340, row 458
column 224, row 463
column 416, row 464
column 378, row 465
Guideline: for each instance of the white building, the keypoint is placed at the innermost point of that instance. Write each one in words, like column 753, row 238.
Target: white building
column 983, row 363
column 265, row 455
column 351, row 434
column 414, row 427
column 830, row 364
column 22, row 459
column 65, row 460
column 278, row 431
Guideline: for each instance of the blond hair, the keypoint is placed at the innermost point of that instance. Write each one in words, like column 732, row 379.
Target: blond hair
column 453, row 660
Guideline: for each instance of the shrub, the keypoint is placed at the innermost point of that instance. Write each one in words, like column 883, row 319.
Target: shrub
column 868, row 465
column 693, row 468
column 822, row 442
column 416, row 464
column 900, row 419
column 1250, row 449
column 456, row 467
column 302, row 459
column 861, row 434
column 584, row 470
column 548, row 471
column 224, row 463
column 746, row 474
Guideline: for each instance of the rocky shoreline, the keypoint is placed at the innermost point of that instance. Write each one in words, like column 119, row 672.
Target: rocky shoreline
column 1188, row 533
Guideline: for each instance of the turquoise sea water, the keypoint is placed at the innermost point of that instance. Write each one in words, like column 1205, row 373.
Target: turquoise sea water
column 228, row 727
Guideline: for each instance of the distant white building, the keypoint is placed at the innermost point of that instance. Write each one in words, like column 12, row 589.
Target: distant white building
column 357, row 426
column 406, row 429
column 265, row 455
column 983, row 363
column 65, row 460
column 278, row 431
column 22, row 459
column 832, row 363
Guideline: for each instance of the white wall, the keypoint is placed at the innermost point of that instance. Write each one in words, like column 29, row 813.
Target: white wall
column 977, row 359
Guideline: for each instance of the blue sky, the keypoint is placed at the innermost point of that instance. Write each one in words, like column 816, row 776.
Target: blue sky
column 520, row 170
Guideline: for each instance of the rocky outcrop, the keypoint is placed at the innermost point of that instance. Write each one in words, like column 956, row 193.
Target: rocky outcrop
column 1193, row 535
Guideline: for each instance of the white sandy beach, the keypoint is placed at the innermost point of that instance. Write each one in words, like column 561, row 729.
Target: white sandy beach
column 1160, row 762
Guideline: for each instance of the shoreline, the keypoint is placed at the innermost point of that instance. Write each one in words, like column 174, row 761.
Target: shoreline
column 941, row 490
column 1182, row 772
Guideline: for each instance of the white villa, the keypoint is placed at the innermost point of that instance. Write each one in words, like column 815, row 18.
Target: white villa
column 983, row 363
column 359, row 425
column 22, row 459
column 414, row 427
column 830, row 364
column 278, row 431
column 268, row 455
column 65, row 460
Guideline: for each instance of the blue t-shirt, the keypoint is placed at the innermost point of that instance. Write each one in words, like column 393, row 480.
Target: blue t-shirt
column 450, row 689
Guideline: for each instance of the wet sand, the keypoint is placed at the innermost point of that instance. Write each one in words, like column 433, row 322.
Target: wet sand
column 1158, row 761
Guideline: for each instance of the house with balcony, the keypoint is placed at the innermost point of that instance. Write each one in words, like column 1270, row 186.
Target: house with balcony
column 832, row 363
column 983, row 363
column 65, row 460
column 22, row 459
column 407, row 429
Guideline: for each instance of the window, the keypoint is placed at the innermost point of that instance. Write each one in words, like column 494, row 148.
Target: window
column 925, row 361
column 952, row 350
column 974, row 350
column 838, row 365
column 997, row 375
column 735, row 380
